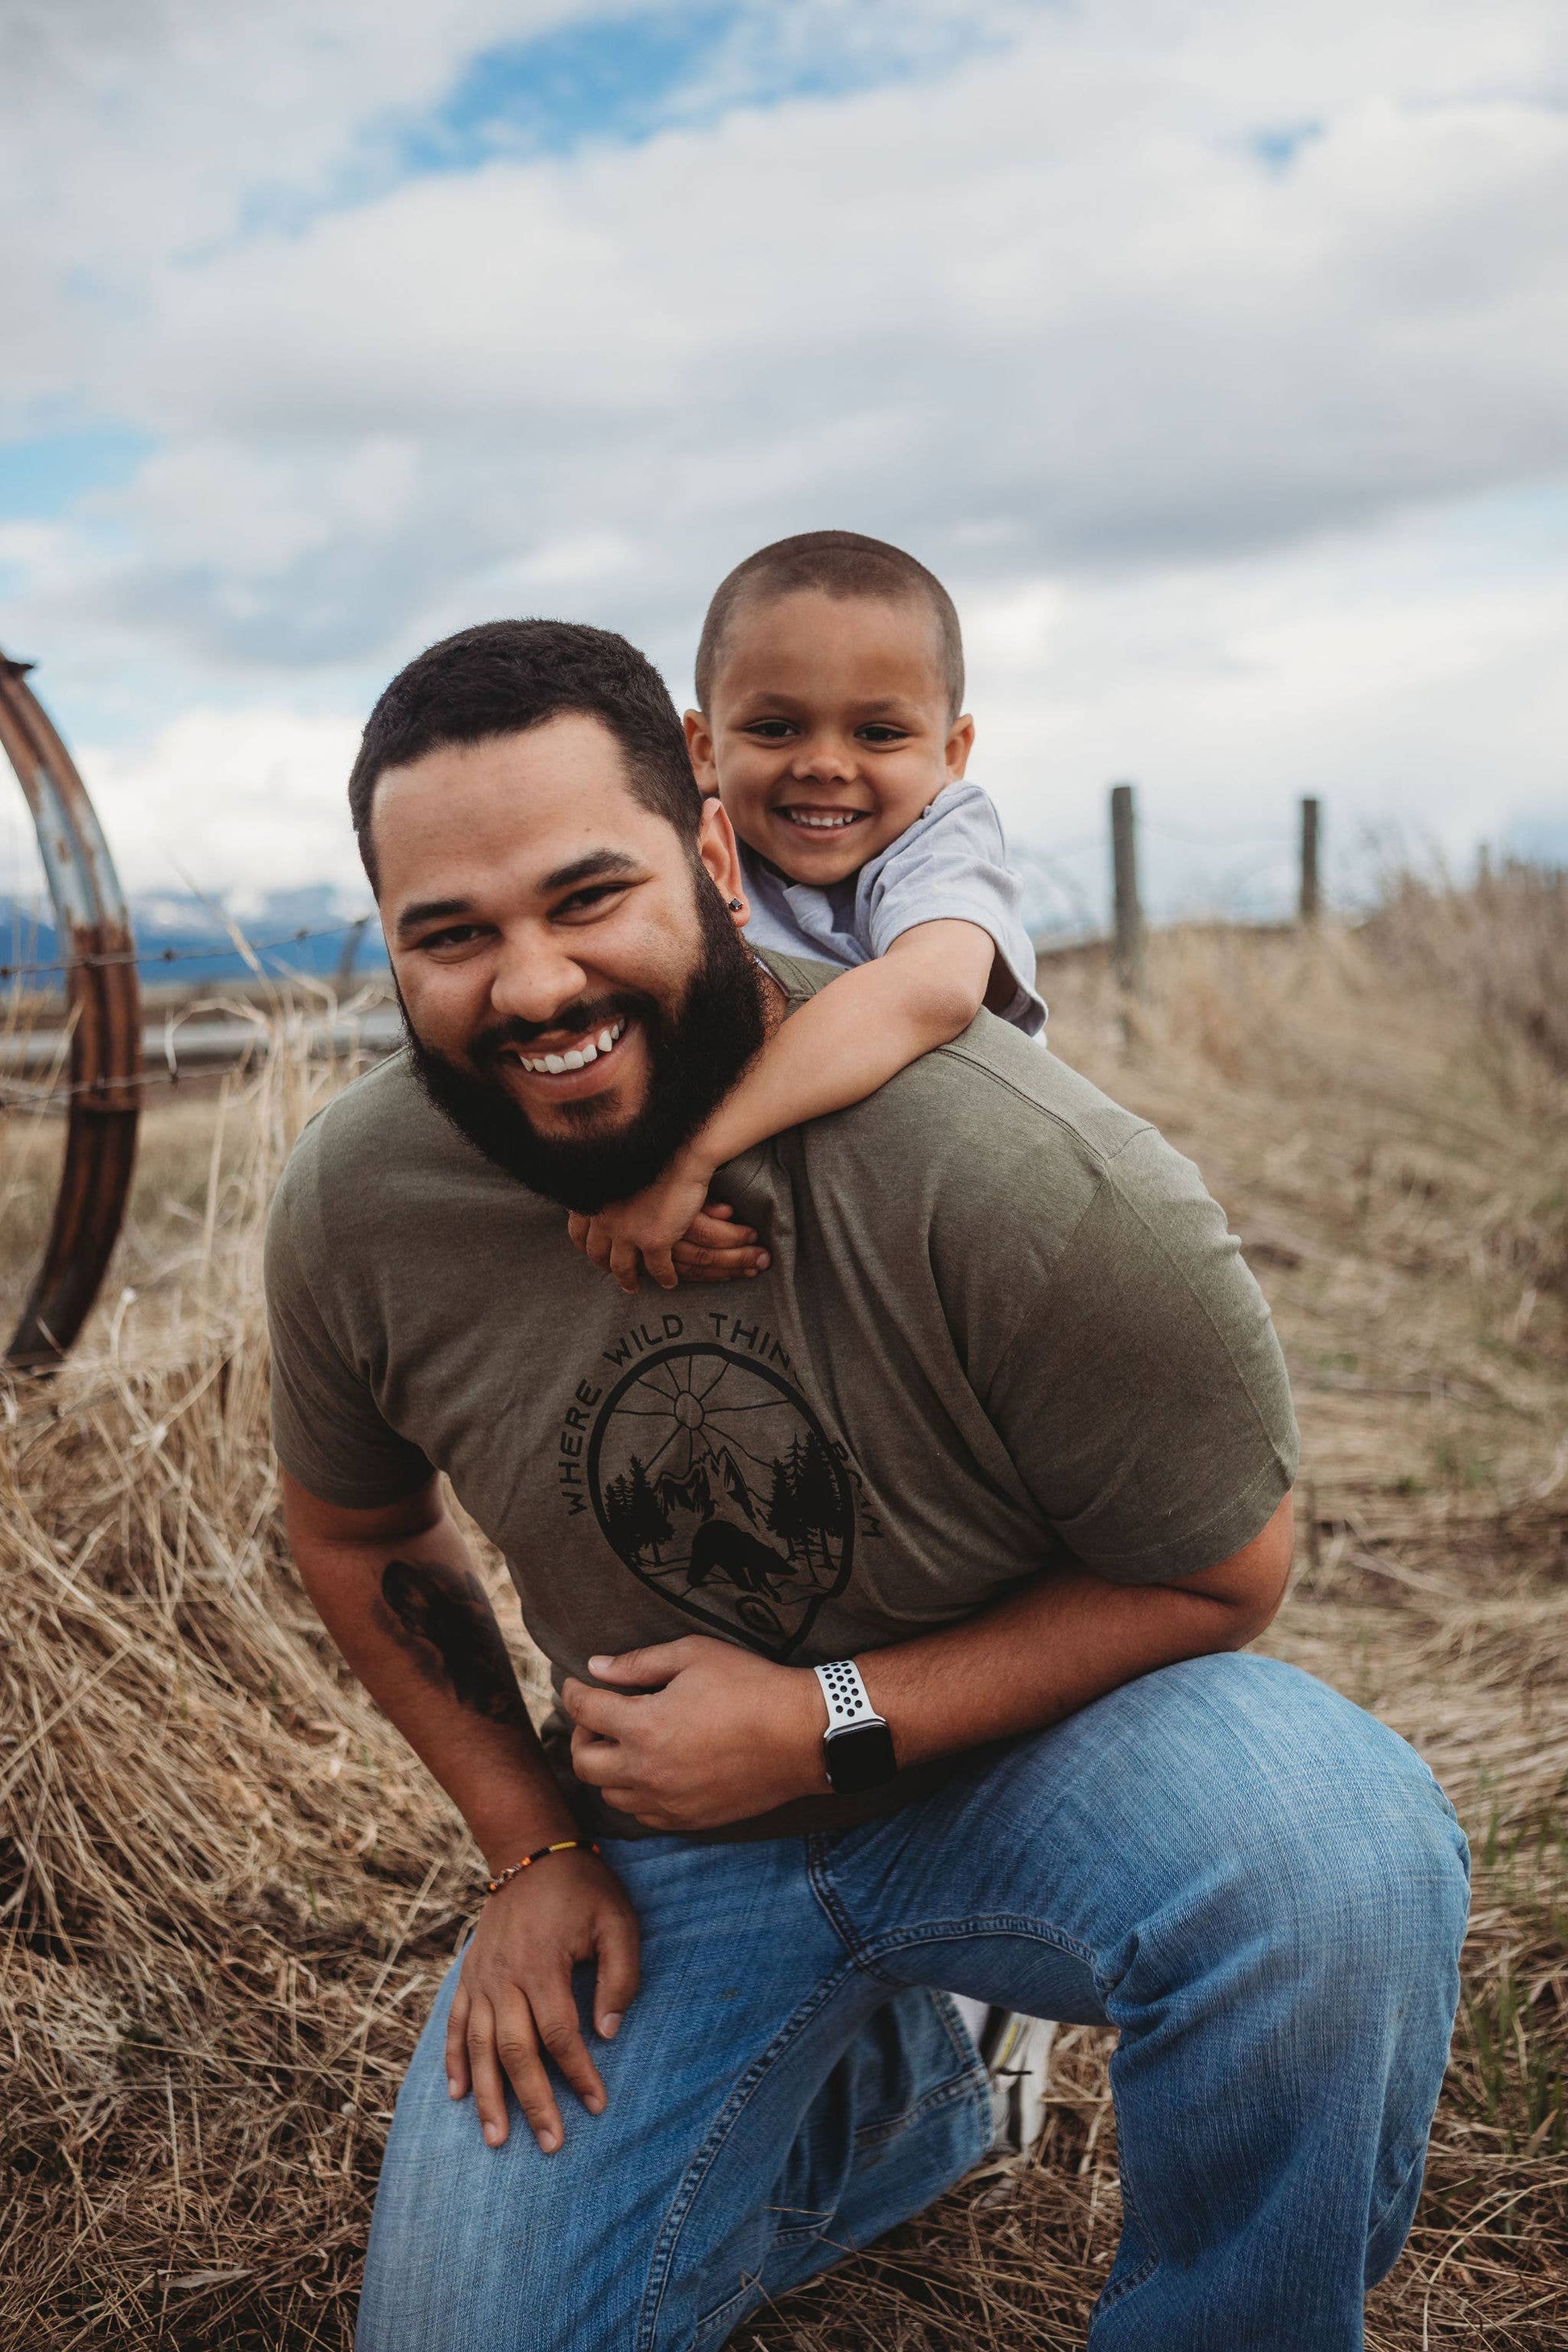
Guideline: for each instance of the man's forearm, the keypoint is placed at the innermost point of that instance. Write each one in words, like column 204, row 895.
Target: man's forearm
column 693, row 1734
column 411, row 1617
column 1061, row 1644
column 857, row 1034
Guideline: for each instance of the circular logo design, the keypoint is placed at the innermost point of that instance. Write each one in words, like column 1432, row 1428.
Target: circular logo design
column 713, row 1482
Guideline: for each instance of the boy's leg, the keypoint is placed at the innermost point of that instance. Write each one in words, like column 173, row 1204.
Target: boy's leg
column 1266, row 1891
column 769, row 2105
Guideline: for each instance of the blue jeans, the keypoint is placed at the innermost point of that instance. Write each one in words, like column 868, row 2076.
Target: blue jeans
column 1263, row 1888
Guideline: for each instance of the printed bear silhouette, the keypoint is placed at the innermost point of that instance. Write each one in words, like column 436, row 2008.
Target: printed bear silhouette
column 737, row 1557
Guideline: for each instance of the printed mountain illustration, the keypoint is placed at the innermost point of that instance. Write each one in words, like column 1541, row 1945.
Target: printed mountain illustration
column 717, row 1477
column 656, row 1522
column 715, row 1483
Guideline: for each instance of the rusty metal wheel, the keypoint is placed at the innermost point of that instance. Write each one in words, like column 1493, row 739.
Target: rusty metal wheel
column 98, row 954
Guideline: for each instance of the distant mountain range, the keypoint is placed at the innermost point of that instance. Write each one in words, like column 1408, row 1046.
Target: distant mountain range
column 184, row 938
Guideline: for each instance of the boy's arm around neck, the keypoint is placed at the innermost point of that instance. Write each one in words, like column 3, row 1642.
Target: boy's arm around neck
column 854, row 1035
column 840, row 1045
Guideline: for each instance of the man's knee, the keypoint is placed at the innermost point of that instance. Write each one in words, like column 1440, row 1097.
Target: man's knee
column 1315, row 1836
column 1371, row 1859
column 1379, row 1903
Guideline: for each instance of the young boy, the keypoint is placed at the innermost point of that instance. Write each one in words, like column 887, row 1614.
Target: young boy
column 830, row 680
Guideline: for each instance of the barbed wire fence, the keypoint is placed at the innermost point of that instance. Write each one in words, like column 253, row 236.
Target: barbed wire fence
column 1261, row 877
column 32, row 1034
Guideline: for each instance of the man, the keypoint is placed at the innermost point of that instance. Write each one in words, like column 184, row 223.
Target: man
column 1000, row 1439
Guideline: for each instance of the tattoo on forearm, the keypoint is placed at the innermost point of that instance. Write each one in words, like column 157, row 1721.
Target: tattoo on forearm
column 441, row 1617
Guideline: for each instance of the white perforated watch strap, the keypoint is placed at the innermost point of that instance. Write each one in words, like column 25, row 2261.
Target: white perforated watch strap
column 847, row 1704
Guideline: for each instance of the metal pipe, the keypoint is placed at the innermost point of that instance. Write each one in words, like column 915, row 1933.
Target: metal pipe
column 92, row 923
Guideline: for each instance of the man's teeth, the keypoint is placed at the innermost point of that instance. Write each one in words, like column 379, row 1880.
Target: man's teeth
column 827, row 821
column 579, row 1056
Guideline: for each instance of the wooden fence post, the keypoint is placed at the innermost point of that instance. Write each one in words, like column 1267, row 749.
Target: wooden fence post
column 1310, row 897
column 349, row 953
column 1128, row 949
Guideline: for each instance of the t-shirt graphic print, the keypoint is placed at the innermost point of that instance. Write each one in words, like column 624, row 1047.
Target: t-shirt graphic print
column 713, row 1482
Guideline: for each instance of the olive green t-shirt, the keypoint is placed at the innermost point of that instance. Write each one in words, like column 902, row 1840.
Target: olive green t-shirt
column 1004, row 1326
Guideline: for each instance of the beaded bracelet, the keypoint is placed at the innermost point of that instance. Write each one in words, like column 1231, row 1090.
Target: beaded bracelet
column 562, row 1845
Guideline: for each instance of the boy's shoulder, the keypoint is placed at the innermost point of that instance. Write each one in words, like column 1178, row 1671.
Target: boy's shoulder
column 963, row 813
column 962, row 824
column 958, row 832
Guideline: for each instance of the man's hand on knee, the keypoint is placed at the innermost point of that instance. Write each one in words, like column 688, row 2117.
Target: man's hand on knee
column 514, row 2007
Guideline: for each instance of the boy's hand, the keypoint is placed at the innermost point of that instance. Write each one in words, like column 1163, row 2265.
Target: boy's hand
column 646, row 1227
column 672, row 1230
column 714, row 1248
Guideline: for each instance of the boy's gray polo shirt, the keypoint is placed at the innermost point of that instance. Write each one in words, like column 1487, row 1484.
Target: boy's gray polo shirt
column 951, row 862
column 1004, row 1327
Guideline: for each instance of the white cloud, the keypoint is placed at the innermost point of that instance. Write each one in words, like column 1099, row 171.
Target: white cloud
column 1415, row 687
column 241, row 801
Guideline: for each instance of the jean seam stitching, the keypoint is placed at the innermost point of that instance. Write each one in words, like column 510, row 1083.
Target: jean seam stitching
column 1111, row 2295
column 943, row 2094
column 708, row 2154
column 989, row 1924
column 972, row 2083
column 837, row 1917
column 722, row 2311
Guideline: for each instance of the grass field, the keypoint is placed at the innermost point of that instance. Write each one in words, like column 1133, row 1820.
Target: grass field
column 228, row 1893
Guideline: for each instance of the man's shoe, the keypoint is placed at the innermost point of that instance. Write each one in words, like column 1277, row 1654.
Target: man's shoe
column 1016, row 2053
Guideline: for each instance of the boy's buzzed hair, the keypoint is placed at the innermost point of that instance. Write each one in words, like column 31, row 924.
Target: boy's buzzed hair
column 841, row 563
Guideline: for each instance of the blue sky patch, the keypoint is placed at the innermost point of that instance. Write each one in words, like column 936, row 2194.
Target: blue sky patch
column 43, row 474
column 615, row 77
column 620, row 77
column 1278, row 147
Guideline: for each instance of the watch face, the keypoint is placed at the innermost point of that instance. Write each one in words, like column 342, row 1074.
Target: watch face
column 859, row 1758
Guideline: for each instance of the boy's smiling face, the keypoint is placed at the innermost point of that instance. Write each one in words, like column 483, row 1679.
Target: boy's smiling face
column 830, row 729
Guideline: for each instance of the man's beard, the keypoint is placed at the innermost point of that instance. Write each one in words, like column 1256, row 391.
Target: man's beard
column 695, row 1055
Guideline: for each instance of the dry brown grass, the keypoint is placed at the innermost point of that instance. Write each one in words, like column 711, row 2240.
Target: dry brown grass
column 228, row 1892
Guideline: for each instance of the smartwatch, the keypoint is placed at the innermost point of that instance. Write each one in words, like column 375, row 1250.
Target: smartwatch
column 858, row 1747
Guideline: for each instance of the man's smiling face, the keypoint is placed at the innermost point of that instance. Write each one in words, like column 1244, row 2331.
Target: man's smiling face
column 578, row 995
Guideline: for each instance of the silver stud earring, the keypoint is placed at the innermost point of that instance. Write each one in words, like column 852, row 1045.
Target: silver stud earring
column 734, row 905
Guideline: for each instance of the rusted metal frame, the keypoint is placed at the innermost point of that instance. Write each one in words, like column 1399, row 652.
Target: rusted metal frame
column 93, row 926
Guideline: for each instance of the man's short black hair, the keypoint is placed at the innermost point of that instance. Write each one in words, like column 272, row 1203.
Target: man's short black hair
column 840, row 563
column 505, row 676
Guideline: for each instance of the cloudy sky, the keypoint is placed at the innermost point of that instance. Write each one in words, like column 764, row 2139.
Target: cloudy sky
column 1215, row 351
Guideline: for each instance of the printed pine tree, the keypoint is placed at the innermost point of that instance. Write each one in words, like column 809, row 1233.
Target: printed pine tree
column 782, row 1514
column 819, row 1500
column 646, row 1523
column 634, row 1518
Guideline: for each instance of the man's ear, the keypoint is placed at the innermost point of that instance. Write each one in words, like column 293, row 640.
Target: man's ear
column 699, row 746
column 960, row 744
column 716, row 846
